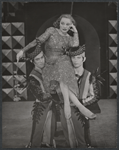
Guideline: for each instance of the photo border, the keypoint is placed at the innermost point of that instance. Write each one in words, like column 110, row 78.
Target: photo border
column 117, row 64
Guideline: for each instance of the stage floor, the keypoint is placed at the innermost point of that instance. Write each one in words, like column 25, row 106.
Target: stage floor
column 16, row 125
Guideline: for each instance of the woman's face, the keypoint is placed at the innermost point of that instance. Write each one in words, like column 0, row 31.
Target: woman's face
column 39, row 60
column 65, row 24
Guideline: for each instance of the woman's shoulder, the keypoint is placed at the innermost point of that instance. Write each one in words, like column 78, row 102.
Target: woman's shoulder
column 51, row 29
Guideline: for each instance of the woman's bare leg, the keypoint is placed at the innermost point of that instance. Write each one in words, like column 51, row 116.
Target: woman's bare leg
column 67, row 112
column 86, row 112
column 67, row 94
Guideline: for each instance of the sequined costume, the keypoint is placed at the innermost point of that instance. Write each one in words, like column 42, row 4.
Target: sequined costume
column 58, row 66
column 44, row 112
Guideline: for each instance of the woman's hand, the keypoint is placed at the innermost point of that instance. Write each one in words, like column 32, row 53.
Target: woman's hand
column 19, row 55
column 73, row 28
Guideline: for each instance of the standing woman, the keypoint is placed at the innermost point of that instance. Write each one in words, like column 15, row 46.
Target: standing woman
column 58, row 65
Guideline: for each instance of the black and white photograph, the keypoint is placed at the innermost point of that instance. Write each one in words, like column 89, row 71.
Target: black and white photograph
column 59, row 74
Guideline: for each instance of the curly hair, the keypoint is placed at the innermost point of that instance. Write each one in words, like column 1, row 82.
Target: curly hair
column 56, row 24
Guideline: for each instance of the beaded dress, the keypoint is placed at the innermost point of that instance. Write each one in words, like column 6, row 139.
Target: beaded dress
column 58, row 65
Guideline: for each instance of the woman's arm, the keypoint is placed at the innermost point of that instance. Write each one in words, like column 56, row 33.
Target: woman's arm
column 30, row 45
column 75, row 39
column 38, row 41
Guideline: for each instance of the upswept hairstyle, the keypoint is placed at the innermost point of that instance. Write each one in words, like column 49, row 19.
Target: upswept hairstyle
column 56, row 24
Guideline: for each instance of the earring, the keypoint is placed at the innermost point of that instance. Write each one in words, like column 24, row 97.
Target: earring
column 31, row 61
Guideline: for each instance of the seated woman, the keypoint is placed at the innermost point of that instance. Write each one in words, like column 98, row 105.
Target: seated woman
column 46, row 108
column 58, row 65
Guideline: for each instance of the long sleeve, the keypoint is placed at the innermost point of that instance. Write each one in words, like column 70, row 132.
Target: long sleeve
column 35, row 88
column 74, row 41
column 42, row 38
column 94, row 93
column 39, row 40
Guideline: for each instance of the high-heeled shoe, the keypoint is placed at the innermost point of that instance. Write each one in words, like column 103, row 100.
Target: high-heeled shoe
column 86, row 112
column 92, row 117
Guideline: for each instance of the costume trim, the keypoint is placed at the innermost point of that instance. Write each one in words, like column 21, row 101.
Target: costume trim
column 47, row 125
column 86, row 87
column 35, row 74
column 82, row 84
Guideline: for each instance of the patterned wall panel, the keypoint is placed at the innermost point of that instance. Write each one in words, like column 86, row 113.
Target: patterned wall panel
column 9, row 9
column 112, row 28
column 12, row 41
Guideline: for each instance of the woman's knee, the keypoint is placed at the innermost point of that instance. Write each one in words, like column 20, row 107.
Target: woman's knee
column 63, row 85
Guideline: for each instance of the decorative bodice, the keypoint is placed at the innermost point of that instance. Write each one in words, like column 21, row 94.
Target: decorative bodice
column 56, row 44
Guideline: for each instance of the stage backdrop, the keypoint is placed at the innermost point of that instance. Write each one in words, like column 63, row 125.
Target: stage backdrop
column 97, row 26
